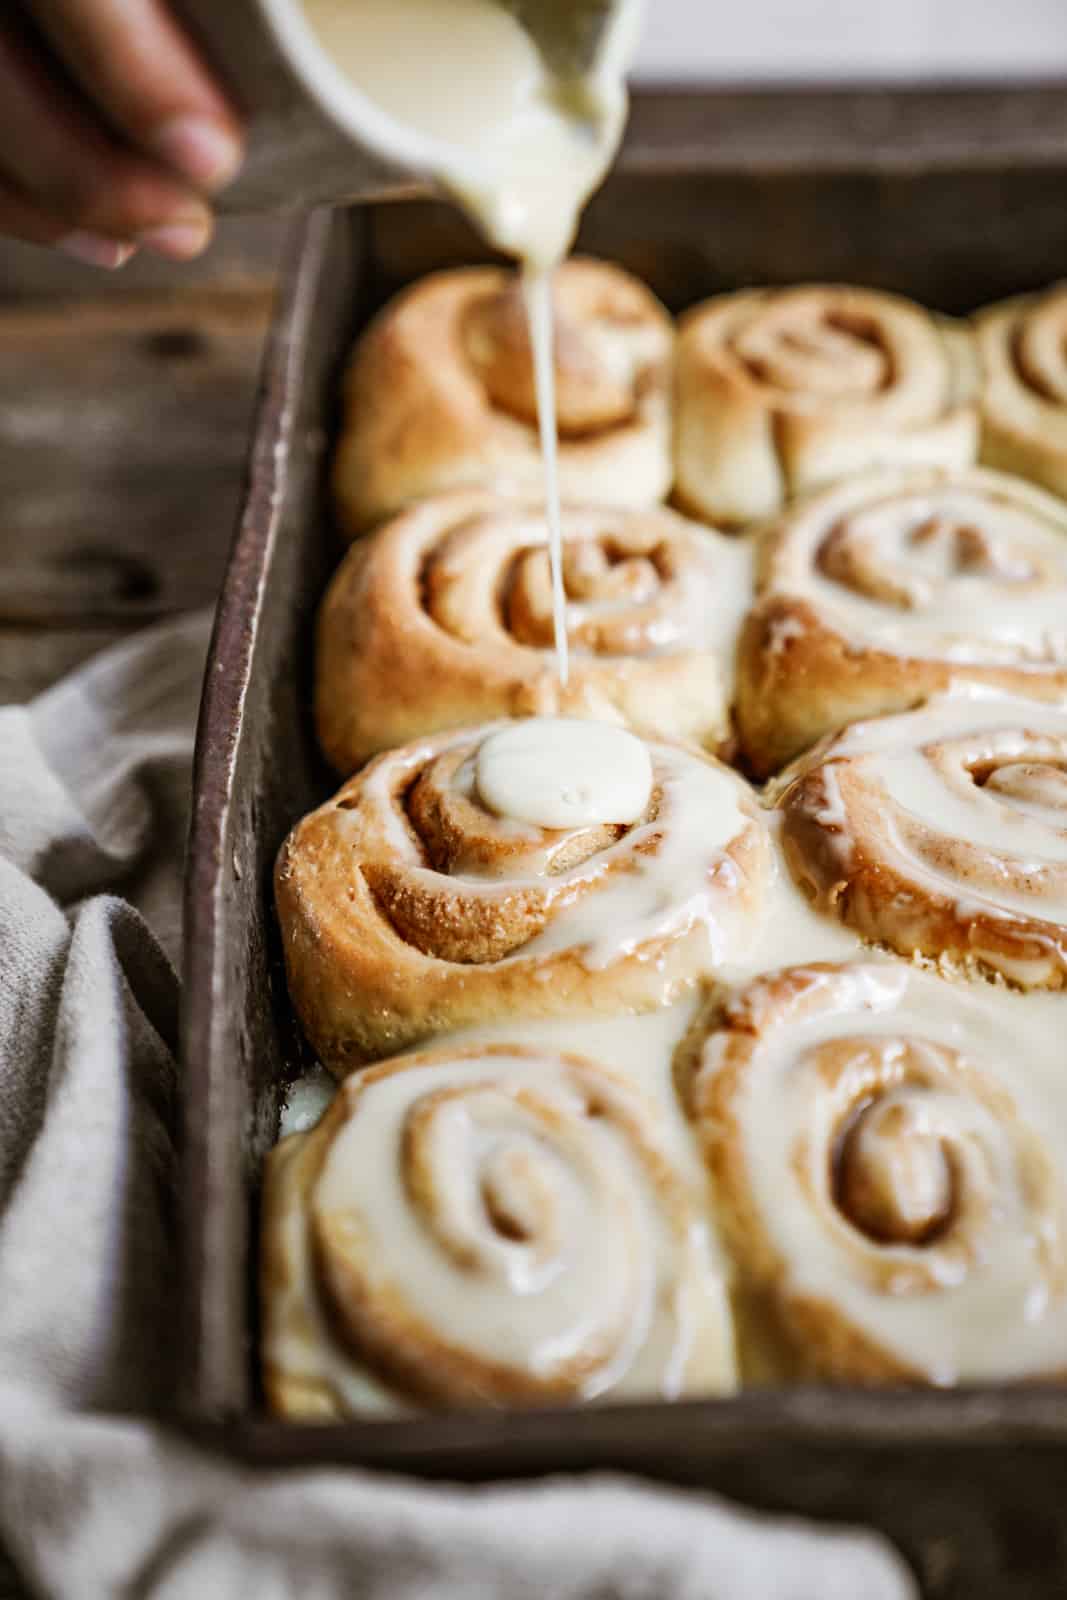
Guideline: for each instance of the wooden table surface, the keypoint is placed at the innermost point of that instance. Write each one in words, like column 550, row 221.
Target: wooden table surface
column 125, row 403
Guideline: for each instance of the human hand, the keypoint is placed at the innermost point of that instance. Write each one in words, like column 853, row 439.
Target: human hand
column 113, row 135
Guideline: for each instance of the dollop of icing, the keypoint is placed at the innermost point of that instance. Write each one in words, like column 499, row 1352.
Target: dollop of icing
column 560, row 772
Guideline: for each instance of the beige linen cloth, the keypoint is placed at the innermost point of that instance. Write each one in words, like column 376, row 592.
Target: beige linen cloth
column 94, row 781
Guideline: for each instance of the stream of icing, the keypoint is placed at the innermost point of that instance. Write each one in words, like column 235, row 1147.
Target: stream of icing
column 512, row 114
column 537, row 288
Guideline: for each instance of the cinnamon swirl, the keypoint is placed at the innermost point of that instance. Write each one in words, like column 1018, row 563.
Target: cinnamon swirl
column 780, row 391
column 1022, row 346
column 943, row 833
column 409, row 907
column 883, row 590
column 443, row 618
column 485, row 1225
column 440, row 393
column 889, row 1154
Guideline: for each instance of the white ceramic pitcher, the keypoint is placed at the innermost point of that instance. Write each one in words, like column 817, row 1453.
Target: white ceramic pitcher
column 317, row 135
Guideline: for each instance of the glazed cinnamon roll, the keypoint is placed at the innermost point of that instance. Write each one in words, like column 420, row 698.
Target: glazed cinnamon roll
column 943, row 833
column 422, row 898
column 440, row 393
column 488, row 1225
column 1022, row 347
column 889, row 1154
column 880, row 592
column 443, row 618
column 781, row 391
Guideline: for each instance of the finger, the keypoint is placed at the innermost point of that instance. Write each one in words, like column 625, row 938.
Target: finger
column 59, row 157
column 138, row 66
column 20, row 219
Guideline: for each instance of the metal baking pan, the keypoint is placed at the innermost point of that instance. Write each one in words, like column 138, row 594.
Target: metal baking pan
column 956, row 198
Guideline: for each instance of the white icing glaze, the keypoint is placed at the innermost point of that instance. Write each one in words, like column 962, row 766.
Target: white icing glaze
column 537, row 290
column 925, row 763
column 996, row 1306
column 612, row 1254
column 675, row 874
column 520, row 142
column 477, row 105
column 559, row 772
column 306, row 1100
column 790, row 931
column 676, row 885
column 640, row 1050
column 970, row 568
column 698, row 606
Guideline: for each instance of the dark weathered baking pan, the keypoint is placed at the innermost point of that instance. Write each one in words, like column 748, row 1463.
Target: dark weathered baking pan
column 955, row 198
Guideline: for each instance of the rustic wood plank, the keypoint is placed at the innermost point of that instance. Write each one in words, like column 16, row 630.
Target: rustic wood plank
column 870, row 129
column 123, row 435
column 32, row 659
column 245, row 255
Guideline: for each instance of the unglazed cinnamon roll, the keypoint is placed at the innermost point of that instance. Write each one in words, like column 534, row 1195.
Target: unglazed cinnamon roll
column 443, row 618
column 943, row 833
column 1022, row 347
column 780, row 391
column 422, row 899
column 488, row 1225
column 440, row 393
column 889, row 1154
column 881, row 591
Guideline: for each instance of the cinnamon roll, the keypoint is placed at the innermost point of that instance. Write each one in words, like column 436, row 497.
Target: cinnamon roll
column 883, row 590
column 943, row 833
column 443, row 618
column 1022, row 347
column 889, row 1153
column 485, row 1225
column 427, row 895
column 440, row 393
column 780, row 391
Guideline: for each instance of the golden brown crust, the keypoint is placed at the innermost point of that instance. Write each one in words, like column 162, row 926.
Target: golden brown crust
column 443, row 618
column 298, row 1397
column 837, row 1287
column 503, row 1166
column 439, row 394
column 861, row 841
column 1021, row 344
column 384, row 947
column 812, row 656
column 780, row 391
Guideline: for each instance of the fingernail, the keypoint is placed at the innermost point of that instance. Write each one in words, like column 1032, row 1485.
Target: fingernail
column 95, row 250
column 178, row 241
column 205, row 152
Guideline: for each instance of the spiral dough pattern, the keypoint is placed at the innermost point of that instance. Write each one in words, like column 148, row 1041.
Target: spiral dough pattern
column 408, row 907
column 887, row 589
column 782, row 391
column 443, row 618
column 890, row 1181
column 440, row 394
column 943, row 833
column 485, row 1226
column 1022, row 346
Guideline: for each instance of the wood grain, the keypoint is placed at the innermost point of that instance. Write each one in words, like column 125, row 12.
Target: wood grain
column 245, row 255
column 33, row 658
column 125, row 405
column 123, row 435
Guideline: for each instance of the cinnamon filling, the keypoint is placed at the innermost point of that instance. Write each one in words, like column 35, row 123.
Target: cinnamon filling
column 592, row 391
column 619, row 582
column 893, row 1179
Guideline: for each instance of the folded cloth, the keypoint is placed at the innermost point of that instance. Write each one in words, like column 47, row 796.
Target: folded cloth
column 94, row 795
